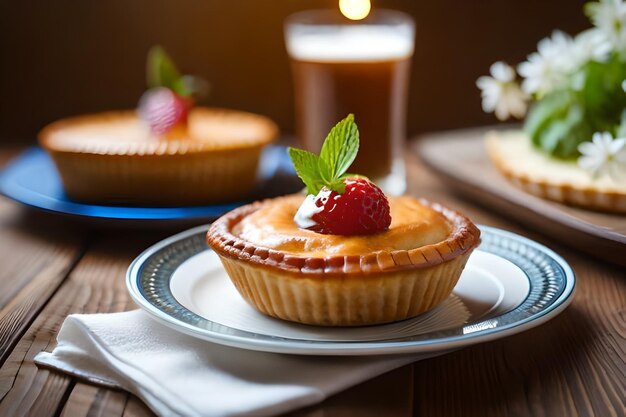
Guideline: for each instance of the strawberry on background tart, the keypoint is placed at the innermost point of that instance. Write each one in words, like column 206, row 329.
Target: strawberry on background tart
column 345, row 254
column 168, row 152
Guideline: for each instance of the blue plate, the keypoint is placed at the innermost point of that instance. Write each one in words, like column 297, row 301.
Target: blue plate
column 32, row 179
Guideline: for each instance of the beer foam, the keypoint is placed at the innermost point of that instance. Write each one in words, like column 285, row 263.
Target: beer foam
column 351, row 44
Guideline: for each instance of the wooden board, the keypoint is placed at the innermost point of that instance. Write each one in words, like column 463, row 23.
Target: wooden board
column 460, row 159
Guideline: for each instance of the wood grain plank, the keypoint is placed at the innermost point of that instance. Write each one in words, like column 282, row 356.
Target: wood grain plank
column 32, row 246
column 36, row 256
column 136, row 408
column 38, row 393
column 95, row 285
column 91, row 401
column 559, row 369
column 55, row 390
column 390, row 394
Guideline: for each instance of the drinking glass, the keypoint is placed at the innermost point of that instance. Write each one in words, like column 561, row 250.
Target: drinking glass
column 340, row 67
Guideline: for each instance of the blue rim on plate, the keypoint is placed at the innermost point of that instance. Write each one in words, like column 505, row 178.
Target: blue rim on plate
column 551, row 282
column 32, row 179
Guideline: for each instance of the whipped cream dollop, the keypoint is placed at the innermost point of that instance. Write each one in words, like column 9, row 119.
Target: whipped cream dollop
column 308, row 208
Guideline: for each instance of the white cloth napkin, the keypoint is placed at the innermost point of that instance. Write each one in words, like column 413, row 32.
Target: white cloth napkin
column 175, row 374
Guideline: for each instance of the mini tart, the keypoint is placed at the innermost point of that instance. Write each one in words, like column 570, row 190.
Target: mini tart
column 550, row 178
column 112, row 157
column 306, row 277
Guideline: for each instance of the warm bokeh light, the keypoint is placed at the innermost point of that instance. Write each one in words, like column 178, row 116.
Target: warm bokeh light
column 355, row 9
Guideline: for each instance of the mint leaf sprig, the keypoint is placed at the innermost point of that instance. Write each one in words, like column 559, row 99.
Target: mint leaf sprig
column 161, row 72
column 329, row 168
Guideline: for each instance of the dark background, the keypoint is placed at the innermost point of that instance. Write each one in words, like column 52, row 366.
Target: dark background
column 65, row 57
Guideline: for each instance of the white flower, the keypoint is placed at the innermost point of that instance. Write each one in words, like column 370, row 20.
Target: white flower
column 591, row 45
column 501, row 94
column 624, row 86
column 549, row 67
column 610, row 17
column 604, row 155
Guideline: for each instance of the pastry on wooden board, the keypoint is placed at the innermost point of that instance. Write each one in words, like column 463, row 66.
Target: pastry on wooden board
column 571, row 95
column 544, row 176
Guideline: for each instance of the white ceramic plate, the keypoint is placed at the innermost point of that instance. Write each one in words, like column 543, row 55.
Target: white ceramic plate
column 510, row 284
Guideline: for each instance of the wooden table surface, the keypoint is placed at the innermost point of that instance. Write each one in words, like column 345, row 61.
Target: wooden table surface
column 573, row 365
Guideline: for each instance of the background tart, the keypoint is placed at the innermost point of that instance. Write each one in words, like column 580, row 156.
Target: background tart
column 310, row 278
column 111, row 157
column 550, row 178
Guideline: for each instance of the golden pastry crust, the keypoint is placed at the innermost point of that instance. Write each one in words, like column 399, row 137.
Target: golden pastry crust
column 544, row 177
column 463, row 237
column 122, row 133
column 112, row 158
column 345, row 300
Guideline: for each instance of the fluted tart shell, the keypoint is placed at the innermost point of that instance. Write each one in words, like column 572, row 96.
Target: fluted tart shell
column 344, row 290
column 543, row 176
column 112, row 158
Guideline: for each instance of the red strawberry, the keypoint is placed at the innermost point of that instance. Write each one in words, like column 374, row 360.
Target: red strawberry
column 362, row 209
column 163, row 109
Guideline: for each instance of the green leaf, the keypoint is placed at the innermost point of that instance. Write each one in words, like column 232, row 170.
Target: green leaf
column 189, row 85
column 552, row 135
column 552, row 107
column 328, row 169
column 621, row 129
column 602, row 94
column 337, row 185
column 560, row 121
column 307, row 166
column 182, row 88
column 324, row 171
column 161, row 71
column 340, row 147
column 562, row 137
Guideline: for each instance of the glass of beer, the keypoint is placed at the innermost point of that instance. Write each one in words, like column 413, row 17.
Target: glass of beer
column 360, row 67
